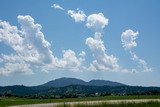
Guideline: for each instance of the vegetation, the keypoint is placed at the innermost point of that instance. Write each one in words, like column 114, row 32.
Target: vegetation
column 75, row 88
column 148, row 104
column 75, row 91
column 5, row 101
column 85, row 91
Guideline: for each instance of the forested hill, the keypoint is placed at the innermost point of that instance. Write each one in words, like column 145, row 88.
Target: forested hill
column 71, row 88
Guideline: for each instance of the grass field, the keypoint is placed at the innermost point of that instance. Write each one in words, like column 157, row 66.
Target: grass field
column 4, row 102
column 148, row 104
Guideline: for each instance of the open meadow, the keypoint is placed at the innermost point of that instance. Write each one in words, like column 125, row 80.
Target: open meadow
column 4, row 102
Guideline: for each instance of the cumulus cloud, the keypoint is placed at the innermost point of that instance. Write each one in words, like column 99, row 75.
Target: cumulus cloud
column 96, row 21
column 69, row 61
column 34, row 42
column 31, row 49
column 56, row 6
column 28, row 43
column 10, row 68
column 103, row 61
column 10, row 35
column 142, row 64
column 78, row 16
column 128, row 38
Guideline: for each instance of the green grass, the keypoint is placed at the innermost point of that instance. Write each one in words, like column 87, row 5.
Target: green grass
column 148, row 104
column 21, row 101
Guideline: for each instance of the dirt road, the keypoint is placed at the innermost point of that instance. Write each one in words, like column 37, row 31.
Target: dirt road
column 89, row 102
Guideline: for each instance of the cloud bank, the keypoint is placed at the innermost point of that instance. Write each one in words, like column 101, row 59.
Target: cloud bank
column 32, row 50
column 102, row 60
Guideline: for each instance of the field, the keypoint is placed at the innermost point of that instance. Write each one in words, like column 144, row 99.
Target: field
column 4, row 102
column 148, row 104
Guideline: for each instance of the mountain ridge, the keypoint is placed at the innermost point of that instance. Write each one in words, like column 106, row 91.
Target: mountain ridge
column 74, row 88
column 64, row 81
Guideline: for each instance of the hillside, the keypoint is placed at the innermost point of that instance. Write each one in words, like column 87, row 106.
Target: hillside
column 72, row 87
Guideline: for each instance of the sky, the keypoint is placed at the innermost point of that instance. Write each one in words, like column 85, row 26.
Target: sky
column 108, row 39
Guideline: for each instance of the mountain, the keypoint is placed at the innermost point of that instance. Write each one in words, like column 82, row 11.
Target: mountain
column 62, row 82
column 104, row 82
column 72, row 87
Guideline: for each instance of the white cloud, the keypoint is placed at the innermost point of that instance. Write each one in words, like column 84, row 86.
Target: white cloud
column 31, row 50
column 10, row 68
column 35, row 45
column 128, row 39
column 10, row 35
column 28, row 43
column 103, row 61
column 141, row 63
column 78, row 16
column 69, row 61
column 96, row 21
column 82, row 55
column 56, row 6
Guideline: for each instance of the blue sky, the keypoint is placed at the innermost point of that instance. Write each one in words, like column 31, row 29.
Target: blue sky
column 108, row 39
